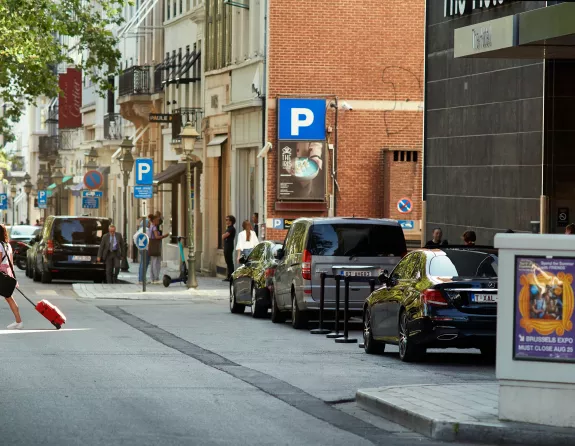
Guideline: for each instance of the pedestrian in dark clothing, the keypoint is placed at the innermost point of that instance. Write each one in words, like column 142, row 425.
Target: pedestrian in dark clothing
column 255, row 221
column 469, row 238
column 111, row 252
column 437, row 239
column 229, row 238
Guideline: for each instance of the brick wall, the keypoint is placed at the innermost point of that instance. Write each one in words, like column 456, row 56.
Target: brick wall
column 359, row 51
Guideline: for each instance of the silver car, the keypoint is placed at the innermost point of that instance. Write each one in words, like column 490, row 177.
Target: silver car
column 362, row 247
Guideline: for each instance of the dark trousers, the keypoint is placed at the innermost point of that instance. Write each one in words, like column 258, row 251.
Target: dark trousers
column 112, row 268
column 229, row 257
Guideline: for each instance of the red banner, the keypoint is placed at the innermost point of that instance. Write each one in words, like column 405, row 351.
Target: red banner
column 69, row 115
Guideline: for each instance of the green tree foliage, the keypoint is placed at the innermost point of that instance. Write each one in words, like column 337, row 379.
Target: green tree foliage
column 31, row 47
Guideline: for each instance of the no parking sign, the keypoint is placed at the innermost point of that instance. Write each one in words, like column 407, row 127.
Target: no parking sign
column 405, row 205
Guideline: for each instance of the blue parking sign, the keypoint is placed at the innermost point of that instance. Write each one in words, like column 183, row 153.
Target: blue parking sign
column 42, row 199
column 3, row 202
column 144, row 171
column 301, row 119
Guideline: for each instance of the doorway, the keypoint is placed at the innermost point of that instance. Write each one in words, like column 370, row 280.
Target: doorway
column 246, row 191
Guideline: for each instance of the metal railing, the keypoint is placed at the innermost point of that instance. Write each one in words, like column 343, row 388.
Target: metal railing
column 181, row 117
column 113, row 126
column 135, row 80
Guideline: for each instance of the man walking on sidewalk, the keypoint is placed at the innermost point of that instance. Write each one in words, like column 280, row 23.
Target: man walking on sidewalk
column 111, row 252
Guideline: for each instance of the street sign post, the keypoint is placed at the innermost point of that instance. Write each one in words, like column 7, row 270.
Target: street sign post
column 144, row 171
column 92, row 193
column 42, row 199
column 142, row 241
column 4, row 202
column 405, row 206
column 407, row 224
column 93, row 180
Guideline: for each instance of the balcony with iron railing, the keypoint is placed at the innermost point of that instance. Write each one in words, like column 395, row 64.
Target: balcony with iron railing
column 48, row 147
column 135, row 81
column 113, row 126
column 180, row 118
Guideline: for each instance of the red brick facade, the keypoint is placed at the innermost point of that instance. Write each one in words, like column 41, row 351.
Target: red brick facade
column 372, row 51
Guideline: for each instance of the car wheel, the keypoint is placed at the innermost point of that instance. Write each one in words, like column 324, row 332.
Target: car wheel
column 298, row 318
column 36, row 274
column 46, row 277
column 408, row 351
column 234, row 306
column 277, row 316
column 371, row 346
column 21, row 264
column 259, row 309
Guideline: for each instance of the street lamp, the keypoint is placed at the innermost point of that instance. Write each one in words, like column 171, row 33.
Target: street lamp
column 189, row 136
column 13, row 195
column 91, row 164
column 57, row 178
column 126, row 166
column 28, row 189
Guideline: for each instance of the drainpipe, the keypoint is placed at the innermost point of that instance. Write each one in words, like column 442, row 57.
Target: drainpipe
column 264, row 95
column 335, row 186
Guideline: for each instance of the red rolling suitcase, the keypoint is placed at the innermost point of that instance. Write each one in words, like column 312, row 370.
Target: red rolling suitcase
column 49, row 311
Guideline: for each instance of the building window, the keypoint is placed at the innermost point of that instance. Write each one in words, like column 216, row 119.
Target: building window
column 218, row 34
column 405, row 156
column 168, row 11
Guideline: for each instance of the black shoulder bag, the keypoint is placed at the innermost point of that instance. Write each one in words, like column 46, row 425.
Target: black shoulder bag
column 7, row 282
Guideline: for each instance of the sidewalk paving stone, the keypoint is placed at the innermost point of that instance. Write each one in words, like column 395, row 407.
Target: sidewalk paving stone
column 465, row 412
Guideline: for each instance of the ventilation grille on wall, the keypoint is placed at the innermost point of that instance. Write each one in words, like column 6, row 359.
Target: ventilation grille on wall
column 405, row 156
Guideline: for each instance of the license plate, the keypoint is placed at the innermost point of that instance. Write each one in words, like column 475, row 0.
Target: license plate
column 356, row 273
column 484, row 298
column 81, row 258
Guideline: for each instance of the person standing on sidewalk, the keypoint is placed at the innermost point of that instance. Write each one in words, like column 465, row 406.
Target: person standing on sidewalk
column 469, row 238
column 111, row 252
column 247, row 240
column 256, row 221
column 156, row 260
column 229, row 237
column 7, row 257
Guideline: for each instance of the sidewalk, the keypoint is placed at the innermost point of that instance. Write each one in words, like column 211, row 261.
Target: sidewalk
column 457, row 412
column 210, row 288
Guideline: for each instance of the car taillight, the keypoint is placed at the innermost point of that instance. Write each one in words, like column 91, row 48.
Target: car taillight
column 434, row 298
column 270, row 272
column 49, row 247
column 306, row 265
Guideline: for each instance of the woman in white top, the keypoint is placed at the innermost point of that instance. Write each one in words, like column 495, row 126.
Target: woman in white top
column 247, row 240
column 5, row 252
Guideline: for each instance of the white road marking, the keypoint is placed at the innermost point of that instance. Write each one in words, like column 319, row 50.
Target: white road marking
column 47, row 330
column 46, row 293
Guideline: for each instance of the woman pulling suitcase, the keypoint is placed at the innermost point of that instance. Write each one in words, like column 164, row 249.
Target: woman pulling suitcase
column 7, row 258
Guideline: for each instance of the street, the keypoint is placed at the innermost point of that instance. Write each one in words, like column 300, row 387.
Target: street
column 189, row 372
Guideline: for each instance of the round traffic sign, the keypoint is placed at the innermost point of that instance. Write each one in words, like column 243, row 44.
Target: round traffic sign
column 563, row 216
column 405, row 205
column 142, row 241
column 93, row 180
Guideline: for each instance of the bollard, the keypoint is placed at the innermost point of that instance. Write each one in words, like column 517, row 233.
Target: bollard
column 335, row 334
column 321, row 330
column 345, row 339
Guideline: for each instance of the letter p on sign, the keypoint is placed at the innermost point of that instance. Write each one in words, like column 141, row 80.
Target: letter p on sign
column 301, row 119
column 144, row 171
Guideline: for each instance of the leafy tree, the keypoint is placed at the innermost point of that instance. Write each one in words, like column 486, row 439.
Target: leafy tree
column 31, row 47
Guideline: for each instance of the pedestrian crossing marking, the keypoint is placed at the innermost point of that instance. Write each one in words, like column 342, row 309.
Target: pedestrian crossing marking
column 46, row 292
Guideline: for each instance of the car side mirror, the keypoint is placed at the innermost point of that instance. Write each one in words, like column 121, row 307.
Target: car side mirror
column 384, row 277
column 280, row 254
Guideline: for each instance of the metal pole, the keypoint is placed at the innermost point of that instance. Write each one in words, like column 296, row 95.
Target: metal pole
column 335, row 334
column 346, row 339
column 28, row 209
column 144, row 257
column 125, row 266
column 192, row 282
column 321, row 330
column 13, row 206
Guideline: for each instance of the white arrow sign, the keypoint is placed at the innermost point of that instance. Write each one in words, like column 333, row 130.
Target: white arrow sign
column 142, row 241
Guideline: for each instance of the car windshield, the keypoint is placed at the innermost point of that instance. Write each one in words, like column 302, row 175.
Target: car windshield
column 80, row 231
column 19, row 231
column 352, row 239
column 461, row 263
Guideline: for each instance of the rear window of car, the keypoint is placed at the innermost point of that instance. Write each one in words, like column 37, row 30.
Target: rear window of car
column 464, row 264
column 80, row 231
column 18, row 231
column 362, row 240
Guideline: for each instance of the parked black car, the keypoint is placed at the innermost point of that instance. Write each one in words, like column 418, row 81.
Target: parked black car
column 21, row 238
column 435, row 298
column 68, row 248
column 251, row 283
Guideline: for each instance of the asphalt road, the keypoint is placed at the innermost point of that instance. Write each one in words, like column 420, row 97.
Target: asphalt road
column 191, row 373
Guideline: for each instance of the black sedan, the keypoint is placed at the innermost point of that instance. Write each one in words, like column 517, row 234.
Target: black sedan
column 251, row 283
column 435, row 298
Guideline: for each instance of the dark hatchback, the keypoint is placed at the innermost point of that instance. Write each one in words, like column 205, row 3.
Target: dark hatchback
column 435, row 298
column 252, row 283
column 22, row 237
column 68, row 248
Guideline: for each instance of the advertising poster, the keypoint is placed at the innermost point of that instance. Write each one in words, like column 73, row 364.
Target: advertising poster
column 301, row 171
column 70, row 102
column 544, row 305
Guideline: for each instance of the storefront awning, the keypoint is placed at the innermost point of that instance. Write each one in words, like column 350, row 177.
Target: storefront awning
column 64, row 181
column 215, row 146
column 544, row 33
column 170, row 174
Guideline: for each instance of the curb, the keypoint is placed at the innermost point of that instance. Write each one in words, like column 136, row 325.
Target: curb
column 485, row 433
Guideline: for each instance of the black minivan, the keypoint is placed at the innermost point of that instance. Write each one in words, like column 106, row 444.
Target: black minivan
column 68, row 249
